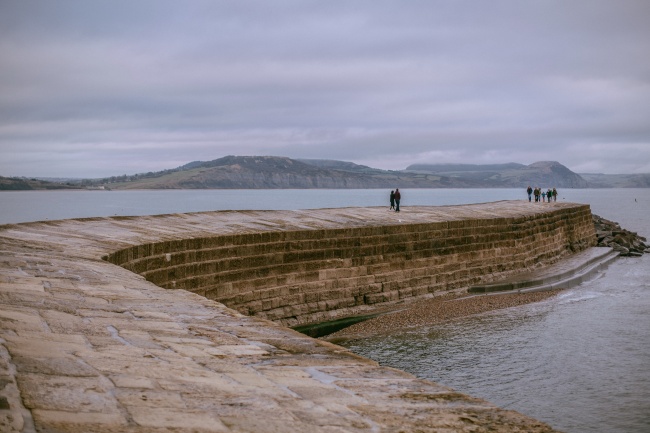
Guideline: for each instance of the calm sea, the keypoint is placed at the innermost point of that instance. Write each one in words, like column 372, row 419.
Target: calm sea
column 580, row 361
column 23, row 206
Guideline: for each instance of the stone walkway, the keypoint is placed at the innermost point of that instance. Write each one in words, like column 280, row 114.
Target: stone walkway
column 86, row 346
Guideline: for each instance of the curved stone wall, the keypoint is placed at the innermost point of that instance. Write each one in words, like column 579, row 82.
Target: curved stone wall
column 87, row 346
column 312, row 275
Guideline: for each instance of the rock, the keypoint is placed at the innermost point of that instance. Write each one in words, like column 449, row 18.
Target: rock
column 610, row 234
column 619, row 249
column 606, row 240
column 603, row 235
column 622, row 241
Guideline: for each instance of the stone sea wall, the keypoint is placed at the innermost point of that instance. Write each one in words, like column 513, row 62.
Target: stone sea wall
column 306, row 276
column 88, row 346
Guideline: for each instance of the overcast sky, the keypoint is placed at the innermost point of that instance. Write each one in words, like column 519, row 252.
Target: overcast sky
column 101, row 88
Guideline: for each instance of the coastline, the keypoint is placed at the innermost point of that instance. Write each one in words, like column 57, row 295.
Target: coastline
column 439, row 309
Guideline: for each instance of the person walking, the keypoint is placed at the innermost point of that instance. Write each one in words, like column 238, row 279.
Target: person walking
column 392, row 200
column 554, row 194
column 530, row 193
column 398, row 197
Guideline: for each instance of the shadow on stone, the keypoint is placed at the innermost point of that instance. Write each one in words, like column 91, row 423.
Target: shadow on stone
column 322, row 329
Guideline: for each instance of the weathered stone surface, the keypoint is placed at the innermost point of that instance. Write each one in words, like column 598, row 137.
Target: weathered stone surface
column 87, row 346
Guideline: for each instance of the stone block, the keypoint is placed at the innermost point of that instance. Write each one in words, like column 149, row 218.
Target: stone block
column 44, row 345
column 177, row 419
column 65, row 393
column 53, row 420
column 66, row 365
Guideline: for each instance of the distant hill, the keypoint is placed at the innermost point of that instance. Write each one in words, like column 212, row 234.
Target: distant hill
column 270, row 172
column 256, row 172
column 544, row 174
column 275, row 172
column 332, row 164
column 23, row 184
column 457, row 168
column 597, row 180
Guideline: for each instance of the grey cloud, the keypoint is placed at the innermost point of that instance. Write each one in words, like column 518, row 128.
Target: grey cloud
column 104, row 87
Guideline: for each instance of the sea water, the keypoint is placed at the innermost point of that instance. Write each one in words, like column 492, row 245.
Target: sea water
column 24, row 206
column 579, row 361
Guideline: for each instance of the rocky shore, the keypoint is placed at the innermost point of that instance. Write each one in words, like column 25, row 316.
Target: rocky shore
column 437, row 310
column 610, row 234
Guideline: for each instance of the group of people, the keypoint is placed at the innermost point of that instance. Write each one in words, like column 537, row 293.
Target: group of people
column 550, row 194
column 395, row 197
column 540, row 196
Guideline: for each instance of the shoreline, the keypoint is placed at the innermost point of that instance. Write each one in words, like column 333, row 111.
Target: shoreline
column 436, row 310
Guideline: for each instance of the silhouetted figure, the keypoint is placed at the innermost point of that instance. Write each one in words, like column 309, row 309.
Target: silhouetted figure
column 398, row 197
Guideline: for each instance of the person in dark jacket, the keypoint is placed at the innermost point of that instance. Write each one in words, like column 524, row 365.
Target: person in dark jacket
column 392, row 200
column 398, row 197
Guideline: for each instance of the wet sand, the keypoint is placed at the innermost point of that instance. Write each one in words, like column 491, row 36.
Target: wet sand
column 437, row 310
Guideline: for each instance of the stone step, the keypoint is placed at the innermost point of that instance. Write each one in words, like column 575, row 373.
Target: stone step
column 571, row 271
